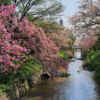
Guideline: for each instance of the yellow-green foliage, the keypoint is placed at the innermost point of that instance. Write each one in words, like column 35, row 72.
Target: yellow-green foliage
column 48, row 26
column 63, row 54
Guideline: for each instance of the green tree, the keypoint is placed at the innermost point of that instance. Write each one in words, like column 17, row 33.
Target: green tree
column 5, row 2
column 38, row 8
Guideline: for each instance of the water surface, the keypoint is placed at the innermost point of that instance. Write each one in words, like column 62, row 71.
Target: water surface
column 79, row 86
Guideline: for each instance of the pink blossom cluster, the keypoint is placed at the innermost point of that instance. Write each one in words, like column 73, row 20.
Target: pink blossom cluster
column 10, row 49
column 88, row 41
column 43, row 46
column 18, row 37
column 7, row 10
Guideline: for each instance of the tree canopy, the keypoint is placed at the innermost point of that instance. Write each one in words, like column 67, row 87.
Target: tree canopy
column 38, row 8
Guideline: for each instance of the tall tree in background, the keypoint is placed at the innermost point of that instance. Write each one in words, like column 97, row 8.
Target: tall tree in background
column 86, row 22
column 38, row 8
column 87, row 18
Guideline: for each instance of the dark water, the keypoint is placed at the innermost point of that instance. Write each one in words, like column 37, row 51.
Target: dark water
column 79, row 86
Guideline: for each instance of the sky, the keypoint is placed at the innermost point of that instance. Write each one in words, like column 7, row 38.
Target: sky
column 70, row 7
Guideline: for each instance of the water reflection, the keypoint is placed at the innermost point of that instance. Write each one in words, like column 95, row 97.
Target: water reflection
column 51, row 90
column 79, row 86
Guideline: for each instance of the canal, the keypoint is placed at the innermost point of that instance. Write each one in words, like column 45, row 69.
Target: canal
column 78, row 86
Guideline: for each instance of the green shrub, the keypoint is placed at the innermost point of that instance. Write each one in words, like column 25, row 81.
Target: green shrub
column 5, row 2
column 64, row 55
column 93, row 64
column 97, row 75
column 9, row 79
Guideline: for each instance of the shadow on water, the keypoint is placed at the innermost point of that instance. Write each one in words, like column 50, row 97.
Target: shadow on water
column 50, row 90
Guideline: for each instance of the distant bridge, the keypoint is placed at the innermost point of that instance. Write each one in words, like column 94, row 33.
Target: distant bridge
column 77, row 47
column 77, row 51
